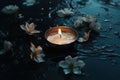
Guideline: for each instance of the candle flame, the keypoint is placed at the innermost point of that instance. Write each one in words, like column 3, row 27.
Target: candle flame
column 60, row 32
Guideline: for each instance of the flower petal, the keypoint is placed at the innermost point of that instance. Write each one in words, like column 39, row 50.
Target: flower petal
column 67, row 71
column 77, row 71
column 39, row 59
column 79, row 64
column 26, row 26
column 81, row 39
column 23, row 27
column 7, row 45
column 34, row 31
column 2, row 52
column 68, row 59
column 42, row 55
column 32, row 48
column 32, row 25
column 39, row 48
column 63, row 64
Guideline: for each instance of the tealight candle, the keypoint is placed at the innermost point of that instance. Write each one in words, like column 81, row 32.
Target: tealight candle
column 61, row 35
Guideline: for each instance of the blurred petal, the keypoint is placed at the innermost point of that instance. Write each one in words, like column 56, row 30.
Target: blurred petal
column 26, row 26
column 67, row 71
column 32, row 25
column 79, row 63
column 77, row 71
column 23, row 27
column 63, row 64
column 39, row 48
column 39, row 59
column 7, row 45
column 32, row 47
column 35, row 31
column 75, row 58
column 42, row 55
column 81, row 39
column 68, row 59
column 2, row 52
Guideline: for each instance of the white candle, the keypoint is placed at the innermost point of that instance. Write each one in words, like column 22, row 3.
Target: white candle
column 61, row 38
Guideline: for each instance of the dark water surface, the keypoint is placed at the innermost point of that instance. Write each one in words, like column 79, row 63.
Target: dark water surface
column 100, row 64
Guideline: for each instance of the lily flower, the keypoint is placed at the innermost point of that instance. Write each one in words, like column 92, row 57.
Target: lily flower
column 65, row 12
column 72, row 65
column 36, row 53
column 85, row 37
column 29, row 28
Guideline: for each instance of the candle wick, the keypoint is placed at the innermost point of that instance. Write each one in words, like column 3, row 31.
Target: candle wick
column 60, row 36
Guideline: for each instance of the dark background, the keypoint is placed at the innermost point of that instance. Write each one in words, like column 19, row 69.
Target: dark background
column 98, row 66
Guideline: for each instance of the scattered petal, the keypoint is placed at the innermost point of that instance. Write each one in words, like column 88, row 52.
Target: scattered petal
column 66, row 12
column 7, row 45
column 63, row 64
column 67, row 71
column 10, row 9
column 77, row 71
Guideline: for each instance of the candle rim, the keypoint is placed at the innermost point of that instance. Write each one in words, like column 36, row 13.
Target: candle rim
column 63, row 29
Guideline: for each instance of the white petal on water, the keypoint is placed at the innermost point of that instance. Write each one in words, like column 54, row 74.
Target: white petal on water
column 63, row 64
column 29, row 2
column 35, row 31
column 7, row 45
column 69, row 59
column 2, row 52
column 67, row 71
column 77, row 71
column 26, row 26
column 81, row 39
column 32, row 25
column 65, row 12
column 32, row 48
column 10, row 9
column 39, row 59
column 79, row 64
column 23, row 27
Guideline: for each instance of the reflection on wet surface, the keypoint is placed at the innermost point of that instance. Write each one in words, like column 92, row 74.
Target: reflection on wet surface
column 100, row 52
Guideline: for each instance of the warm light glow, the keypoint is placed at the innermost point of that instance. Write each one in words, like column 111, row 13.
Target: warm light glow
column 60, row 32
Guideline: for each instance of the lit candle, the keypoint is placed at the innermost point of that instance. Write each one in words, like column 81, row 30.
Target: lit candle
column 61, row 35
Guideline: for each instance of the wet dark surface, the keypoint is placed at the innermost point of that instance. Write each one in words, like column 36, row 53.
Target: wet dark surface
column 100, row 53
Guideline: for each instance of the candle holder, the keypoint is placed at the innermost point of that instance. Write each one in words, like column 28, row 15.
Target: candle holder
column 61, row 37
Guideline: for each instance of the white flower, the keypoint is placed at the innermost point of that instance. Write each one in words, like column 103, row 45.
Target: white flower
column 36, row 53
column 72, row 65
column 10, row 9
column 65, row 12
column 29, row 28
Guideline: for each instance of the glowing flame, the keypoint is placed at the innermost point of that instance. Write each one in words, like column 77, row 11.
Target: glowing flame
column 60, row 32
